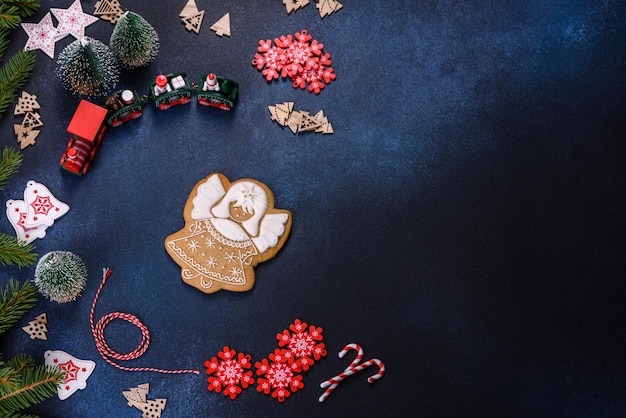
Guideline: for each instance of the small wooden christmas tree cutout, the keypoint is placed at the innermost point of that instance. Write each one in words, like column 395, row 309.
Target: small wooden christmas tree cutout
column 137, row 397
column 327, row 7
column 280, row 113
column 32, row 120
column 292, row 5
column 109, row 10
column 37, row 328
column 191, row 16
column 26, row 103
column 300, row 120
column 222, row 26
column 153, row 408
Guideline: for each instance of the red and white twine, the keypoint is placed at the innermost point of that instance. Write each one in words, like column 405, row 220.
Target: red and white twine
column 108, row 354
column 354, row 367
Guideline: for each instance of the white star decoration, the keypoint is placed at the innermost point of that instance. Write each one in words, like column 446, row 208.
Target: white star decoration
column 41, row 35
column 72, row 21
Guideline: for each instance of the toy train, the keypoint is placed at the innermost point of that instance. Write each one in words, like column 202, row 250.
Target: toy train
column 90, row 121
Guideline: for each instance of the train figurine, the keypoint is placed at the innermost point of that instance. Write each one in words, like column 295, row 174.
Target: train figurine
column 123, row 105
column 87, row 127
column 90, row 121
column 217, row 92
column 170, row 90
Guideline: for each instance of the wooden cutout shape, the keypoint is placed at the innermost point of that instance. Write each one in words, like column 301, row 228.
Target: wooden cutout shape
column 193, row 22
column 292, row 5
column 190, row 9
column 280, row 113
column 222, row 26
column 153, row 408
column 26, row 103
column 327, row 7
column 109, row 10
column 37, row 327
column 32, row 120
column 27, row 138
column 294, row 121
column 137, row 396
column 308, row 122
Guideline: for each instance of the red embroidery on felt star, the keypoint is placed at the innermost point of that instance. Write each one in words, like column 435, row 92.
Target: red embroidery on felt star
column 304, row 343
column 229, row 373
column 277, row 375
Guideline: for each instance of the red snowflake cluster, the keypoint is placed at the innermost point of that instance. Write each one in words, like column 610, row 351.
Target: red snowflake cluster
column 280, row 375
column 302, row 59
column 230, row 373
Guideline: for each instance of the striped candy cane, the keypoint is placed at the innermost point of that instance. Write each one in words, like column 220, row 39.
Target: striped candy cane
column 106, row 352
column 353, row 368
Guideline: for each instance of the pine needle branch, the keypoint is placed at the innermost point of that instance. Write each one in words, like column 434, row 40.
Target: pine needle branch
column 37, row 384
column 24, row 7
column 9, row 16
column 10, row 161
column 16, row 301
column 16, row 252
column 13, row 75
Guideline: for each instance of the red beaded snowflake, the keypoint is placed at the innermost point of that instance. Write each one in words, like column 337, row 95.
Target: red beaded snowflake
column 229, row 373
column 278, row 375
column 303, row 342
column 301, row 59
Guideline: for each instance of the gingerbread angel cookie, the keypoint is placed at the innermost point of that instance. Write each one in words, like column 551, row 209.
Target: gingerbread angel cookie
column 229, row 229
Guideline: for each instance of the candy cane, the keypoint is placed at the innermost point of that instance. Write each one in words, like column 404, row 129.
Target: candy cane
column 103, row 348
column 352, row 368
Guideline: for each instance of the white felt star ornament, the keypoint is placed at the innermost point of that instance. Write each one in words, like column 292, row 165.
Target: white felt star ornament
column 41, row 35
column 72, row 21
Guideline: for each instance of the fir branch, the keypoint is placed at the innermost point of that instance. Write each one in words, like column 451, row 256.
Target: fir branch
column 16, row 252
column 9, row 16
column 10, row 162
column 4, row 41
column 24, row 7
column 13, row 75
column 37, row 383
column 16, row 301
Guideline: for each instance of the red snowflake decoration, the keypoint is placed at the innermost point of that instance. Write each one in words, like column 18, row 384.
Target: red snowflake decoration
column 301, row 59
column 303, row 342
column 229, row 373
column 278, row 375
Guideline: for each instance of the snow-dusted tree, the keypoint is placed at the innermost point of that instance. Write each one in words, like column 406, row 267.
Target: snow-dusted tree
column 134, row 41
column 88, row 67
column 60, row 276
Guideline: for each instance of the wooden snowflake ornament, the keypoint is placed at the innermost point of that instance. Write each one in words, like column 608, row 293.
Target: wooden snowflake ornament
column 37, row 328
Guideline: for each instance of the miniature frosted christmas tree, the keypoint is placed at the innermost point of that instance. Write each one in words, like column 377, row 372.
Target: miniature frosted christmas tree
column 88, row 67
column 60, row 276
column 134, row 41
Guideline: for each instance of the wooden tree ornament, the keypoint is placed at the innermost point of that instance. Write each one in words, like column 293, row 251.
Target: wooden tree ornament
column 222, row 26
column 191, row 16
column 37, row 328
column 25, row 132
column 109, row 10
